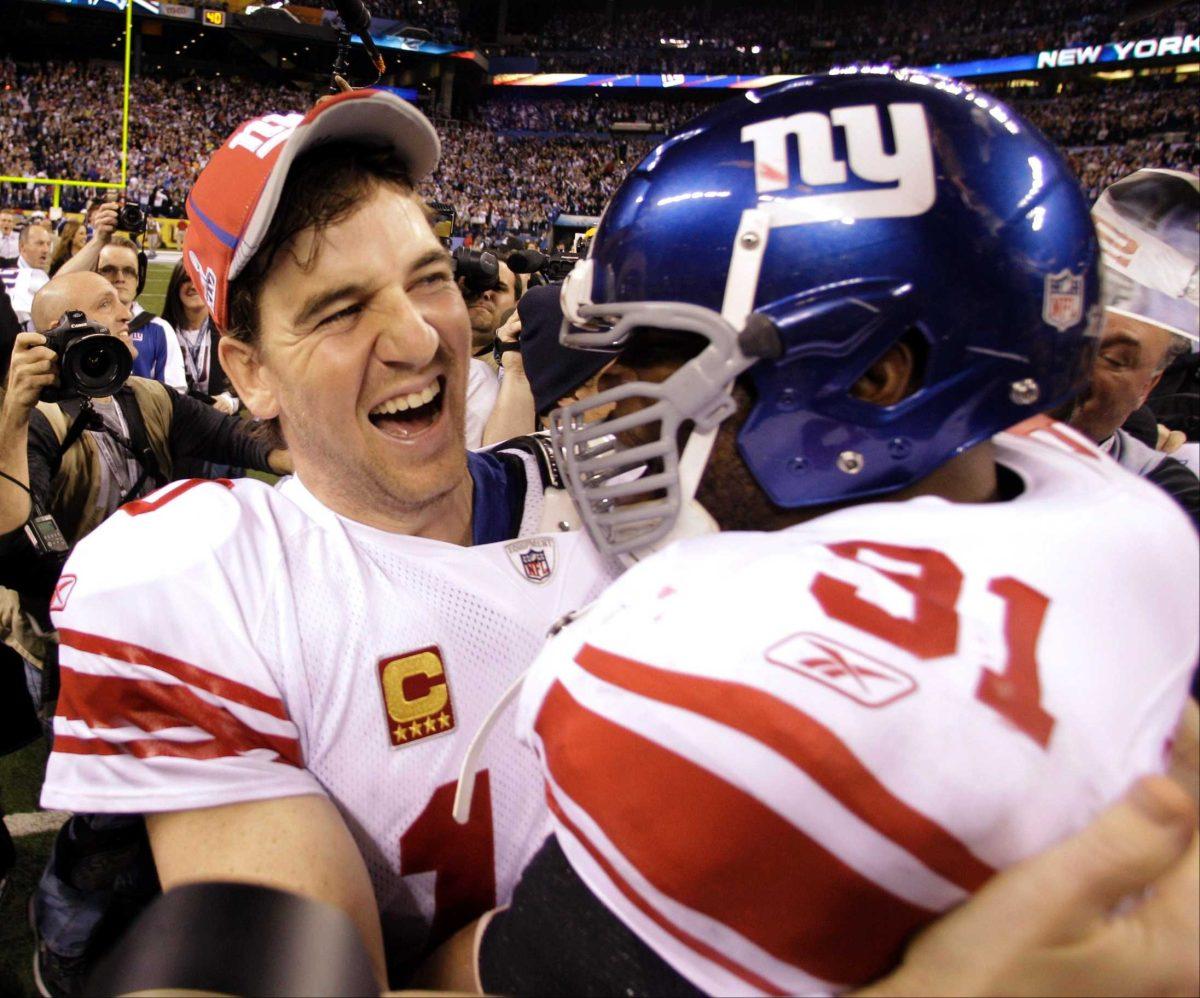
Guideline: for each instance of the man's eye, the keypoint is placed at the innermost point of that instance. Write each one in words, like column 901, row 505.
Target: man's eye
column 338, row 316
column 435, row 278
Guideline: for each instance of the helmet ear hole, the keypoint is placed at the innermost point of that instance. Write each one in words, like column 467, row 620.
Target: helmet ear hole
column 898, row 374
column 918, row 345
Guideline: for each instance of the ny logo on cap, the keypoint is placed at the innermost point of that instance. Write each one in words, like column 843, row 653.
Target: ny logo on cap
column 263, row 135
column 907, row 173
column 208, row 279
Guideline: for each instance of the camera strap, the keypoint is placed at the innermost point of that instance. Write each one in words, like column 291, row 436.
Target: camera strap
column 85, row 419
column 137, row 444
column 141, row 320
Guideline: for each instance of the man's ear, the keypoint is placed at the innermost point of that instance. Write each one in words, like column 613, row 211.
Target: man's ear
column 891, row 379
column 241, row 363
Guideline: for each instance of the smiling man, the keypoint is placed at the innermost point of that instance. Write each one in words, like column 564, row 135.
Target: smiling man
column 286, row 680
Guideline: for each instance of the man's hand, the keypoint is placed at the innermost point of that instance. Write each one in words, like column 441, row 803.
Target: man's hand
column 1114, row 910
column 226, row 403
column 34, row 366
column 104, row 224
column 1185, row 751
column 1169, row 441
column 281, row 462
column 510, row 332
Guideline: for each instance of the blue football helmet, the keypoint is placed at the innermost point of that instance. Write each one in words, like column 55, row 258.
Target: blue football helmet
column 802, row 231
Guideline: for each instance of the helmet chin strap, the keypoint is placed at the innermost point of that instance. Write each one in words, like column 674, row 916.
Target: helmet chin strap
column 741, row 285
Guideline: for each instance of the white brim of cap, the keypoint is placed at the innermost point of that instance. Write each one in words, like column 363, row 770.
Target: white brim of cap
column 1152, row 321
column 380, row 119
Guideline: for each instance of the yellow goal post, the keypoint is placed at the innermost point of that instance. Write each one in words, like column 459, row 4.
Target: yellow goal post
column 58, row 184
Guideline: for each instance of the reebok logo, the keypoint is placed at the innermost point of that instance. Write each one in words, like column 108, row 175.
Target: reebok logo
column 264, row 135
column 902, row 182
column 846, row 670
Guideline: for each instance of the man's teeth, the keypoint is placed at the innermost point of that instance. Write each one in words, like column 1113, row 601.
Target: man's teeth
column 403, row 402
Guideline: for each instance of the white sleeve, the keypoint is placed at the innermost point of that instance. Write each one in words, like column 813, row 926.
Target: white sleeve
column 170, row 699
column 173, row 372
column 482, row 389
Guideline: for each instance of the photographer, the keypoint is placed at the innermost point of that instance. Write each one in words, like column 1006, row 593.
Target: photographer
column 489, row 308
column 125, row 449
column 491, row 290
column 158, row 353
column 127, row 446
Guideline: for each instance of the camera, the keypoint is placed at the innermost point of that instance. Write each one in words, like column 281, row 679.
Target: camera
column 559, row 266
column 131, row 219
column 91, row 361
column 477, row 269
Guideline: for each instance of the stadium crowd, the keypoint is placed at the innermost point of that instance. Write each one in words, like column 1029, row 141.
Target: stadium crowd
column 576, row 114
column 778, row 38
column 516, row 165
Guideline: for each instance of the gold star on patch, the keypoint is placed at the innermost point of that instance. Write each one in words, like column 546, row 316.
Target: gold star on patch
column 430, row 726
column 443, row 721
column 399, row 733
column 414, row 729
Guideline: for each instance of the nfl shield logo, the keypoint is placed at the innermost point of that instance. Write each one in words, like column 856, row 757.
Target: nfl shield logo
column 533, row 558
column 1062, row 305
column 535, row 564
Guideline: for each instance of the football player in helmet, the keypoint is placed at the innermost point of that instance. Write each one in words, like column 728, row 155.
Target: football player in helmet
column 773, row 755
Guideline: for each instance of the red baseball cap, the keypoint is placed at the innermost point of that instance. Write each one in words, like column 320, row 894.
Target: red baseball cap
column 233, row 200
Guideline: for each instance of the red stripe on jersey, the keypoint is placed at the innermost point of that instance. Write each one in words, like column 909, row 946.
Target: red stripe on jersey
column 808, row 745
column 1059, row 431
column 123, row 651
column 115, row 702
column 645, row 908
column 715, row 849
column 142, row 748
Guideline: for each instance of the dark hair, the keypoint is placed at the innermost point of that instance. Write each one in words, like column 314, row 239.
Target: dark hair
column 62, row 252
column 323, row 187
column 122, row 242
column 518, row 279
column 172, row 311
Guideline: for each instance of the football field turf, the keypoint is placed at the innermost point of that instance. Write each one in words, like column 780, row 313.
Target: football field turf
column 20, row 782
column 157, row 276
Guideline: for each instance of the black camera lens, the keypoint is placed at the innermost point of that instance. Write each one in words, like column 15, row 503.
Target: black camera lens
column 131, row 218
column 96, row 365
column 477, row 269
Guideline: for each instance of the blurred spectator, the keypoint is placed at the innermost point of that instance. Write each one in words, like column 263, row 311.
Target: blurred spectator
column 28, row 277
column 158, row 352
column 71, row 238
column 9, row 240
column 1147, row 225
column 184, row 310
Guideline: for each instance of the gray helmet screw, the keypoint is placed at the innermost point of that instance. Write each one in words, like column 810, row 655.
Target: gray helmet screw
column 850, row 461
column 749, row 240
column 1024, row 392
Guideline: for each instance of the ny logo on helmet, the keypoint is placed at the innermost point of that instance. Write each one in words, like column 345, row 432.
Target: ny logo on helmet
column 907, row 173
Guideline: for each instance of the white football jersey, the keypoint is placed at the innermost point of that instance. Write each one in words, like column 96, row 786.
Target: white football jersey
column 226, row 642
column 775, row 756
